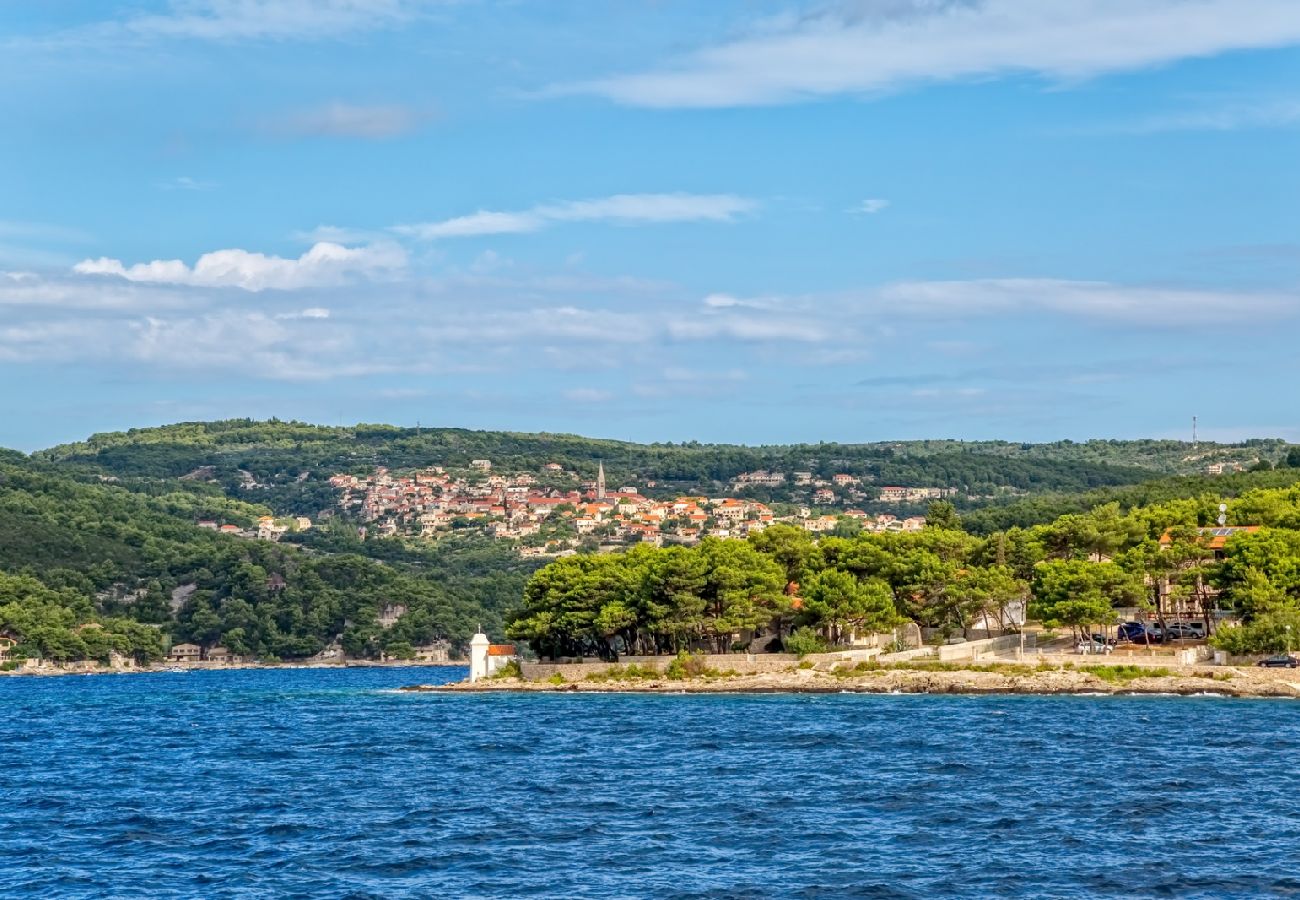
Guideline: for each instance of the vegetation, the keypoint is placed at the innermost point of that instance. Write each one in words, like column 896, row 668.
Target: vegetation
column 286, row 464
column 79, row 552
column 100, row 552
column 1074, row 572
column 1124, row 673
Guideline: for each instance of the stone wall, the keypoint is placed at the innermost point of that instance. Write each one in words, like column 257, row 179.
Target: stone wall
column 744, row 664
column 988, row 647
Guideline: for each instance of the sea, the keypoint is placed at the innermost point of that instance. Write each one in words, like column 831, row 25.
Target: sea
column 321, row 783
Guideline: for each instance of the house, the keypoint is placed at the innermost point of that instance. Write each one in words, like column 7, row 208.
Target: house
column 498, row 655
column 185, row 653
column 7, row 644
column 438, row 651
column 1223, row 468
column 893, row 494
column 221, row 655
column 389, row 613
column 1214, row 538
column 483, row 465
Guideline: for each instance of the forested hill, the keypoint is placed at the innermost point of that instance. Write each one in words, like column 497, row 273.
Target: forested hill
column 275, row 452
column 76, row 550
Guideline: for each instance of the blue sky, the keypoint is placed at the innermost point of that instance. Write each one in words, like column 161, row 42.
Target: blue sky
column 742, row 220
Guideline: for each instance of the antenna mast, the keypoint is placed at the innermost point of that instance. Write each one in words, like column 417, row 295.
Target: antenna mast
column 1193, row 432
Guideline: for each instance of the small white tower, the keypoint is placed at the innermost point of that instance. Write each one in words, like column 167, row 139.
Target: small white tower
column 478, row 656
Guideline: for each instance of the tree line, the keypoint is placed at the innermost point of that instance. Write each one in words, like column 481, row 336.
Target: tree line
column 1072, row 573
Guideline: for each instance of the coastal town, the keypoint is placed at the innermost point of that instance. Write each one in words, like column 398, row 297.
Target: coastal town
column 554, row 512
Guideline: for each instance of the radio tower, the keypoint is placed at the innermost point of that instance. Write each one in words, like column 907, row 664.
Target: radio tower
column 1193, row 432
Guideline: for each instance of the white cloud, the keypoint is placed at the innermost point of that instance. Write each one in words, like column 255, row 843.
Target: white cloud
column 872, row 205
column 1230, row 116
column 864, row 48
column 185, row 183
column 231, row 20
column 620, row 209
column 588, row 395
column 1164, row 307
column 346, row 120
column 325, row 264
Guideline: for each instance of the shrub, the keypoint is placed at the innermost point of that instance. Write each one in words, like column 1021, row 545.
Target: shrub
column 631, row 672
column 400, row 650
column 688, row 665
column 1123, row 673
column 862, row 668
column 804, row 641
column 806, row 664
column 557, row 678
column 509, row 670
column 1270, row 633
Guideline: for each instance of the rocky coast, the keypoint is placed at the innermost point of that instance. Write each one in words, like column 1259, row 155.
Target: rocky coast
column 1226, row 681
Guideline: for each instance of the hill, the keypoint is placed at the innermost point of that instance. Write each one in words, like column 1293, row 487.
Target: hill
column 286, row 465
column 75, row 549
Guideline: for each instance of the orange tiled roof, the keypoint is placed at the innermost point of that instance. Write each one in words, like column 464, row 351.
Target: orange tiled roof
column 1215, row 537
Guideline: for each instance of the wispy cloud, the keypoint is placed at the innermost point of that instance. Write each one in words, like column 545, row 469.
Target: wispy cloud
column 233, row 20
column 1227, row 115
column 871, row 206
column 861, row 48
column 1150, row 306
column 325, row 264
column 619, row 209
column 347, row 120
column 185, row 183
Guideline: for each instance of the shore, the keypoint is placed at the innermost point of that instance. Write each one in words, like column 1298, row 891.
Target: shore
column 95, row 669
column 1224, row 681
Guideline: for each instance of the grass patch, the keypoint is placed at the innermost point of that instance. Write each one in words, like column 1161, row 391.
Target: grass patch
column 869, row 666
column 631, row 672
column 1125, row 673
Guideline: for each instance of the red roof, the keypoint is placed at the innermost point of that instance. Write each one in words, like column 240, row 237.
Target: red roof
column 501, row 650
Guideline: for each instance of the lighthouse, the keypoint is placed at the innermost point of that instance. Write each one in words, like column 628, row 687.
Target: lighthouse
column 478, row 656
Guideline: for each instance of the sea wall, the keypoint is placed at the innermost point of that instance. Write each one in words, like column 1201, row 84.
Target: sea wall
column 988, row 647
column 744, row 664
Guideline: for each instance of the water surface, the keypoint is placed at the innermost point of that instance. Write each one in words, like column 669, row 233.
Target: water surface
column 324, row 783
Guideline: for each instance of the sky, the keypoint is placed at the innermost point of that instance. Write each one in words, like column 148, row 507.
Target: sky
column 754, row 221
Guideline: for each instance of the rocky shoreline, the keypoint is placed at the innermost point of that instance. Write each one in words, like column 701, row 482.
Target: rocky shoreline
column 1218, row 681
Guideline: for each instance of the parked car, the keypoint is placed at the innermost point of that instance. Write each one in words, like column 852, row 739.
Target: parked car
column 1138, row 633
column 1281, row 661
column 1180, row 630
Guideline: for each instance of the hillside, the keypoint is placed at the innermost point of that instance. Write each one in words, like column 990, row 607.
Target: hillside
column 74, row 549
column 107, row 531
column 286, row 464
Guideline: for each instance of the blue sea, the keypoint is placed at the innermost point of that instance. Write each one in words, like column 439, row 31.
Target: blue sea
column 329, row 783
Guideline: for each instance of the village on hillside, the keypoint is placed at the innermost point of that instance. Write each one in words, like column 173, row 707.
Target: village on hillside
column 553, row 512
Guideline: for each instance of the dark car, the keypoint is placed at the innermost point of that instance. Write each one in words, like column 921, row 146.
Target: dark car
column 1138, row 633
column 1281, row 661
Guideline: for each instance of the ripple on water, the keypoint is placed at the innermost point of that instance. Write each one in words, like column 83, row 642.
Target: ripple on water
column 320, row 783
